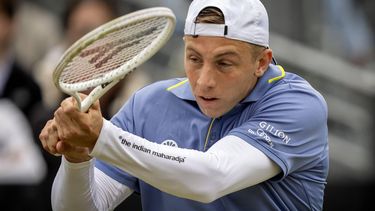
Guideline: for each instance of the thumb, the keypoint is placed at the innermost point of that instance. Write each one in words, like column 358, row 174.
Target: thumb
column 63, row 147
column 96, row 105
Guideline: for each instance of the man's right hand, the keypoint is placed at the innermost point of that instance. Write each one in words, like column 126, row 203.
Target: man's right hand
column 52, row 144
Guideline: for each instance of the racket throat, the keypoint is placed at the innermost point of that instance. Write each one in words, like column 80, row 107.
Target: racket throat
column 95, row 94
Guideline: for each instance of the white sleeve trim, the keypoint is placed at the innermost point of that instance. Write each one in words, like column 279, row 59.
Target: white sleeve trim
column 81, row 186
column 228, row 166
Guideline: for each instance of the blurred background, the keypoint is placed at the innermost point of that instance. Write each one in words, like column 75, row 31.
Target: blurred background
column 329, row 42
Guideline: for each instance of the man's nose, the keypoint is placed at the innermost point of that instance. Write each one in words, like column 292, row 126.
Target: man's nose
column 207, row 77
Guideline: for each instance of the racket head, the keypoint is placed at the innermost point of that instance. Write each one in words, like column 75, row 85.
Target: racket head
column 111, row 51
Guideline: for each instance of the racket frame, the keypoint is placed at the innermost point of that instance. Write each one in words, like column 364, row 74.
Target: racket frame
column 103, row 84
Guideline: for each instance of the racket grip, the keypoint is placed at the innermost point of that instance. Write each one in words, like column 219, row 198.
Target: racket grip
column 95, row 95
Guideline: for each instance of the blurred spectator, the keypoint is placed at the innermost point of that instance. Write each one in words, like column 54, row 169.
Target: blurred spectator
column 21, row 161
column 368, row 7
column 17, row 86
column 37, row 30
column 15, row 82
column 348, row 31
column 22, row 166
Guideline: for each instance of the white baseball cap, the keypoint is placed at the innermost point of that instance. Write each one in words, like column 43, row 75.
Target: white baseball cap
column 245, row 20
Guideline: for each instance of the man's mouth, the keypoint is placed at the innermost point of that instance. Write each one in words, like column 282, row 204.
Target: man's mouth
column 208, row 98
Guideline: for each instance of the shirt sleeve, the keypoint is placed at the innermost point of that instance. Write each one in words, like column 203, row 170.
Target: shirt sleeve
column 229, row 165
column 290, row 127
column 124, row 120
column 80, row 186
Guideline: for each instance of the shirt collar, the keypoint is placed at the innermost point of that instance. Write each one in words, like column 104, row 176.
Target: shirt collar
column 182, row 89
column 274, row 73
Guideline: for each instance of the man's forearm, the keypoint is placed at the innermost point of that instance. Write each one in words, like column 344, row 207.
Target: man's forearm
column 228, row 166
column 72, row 189
column 81, row 186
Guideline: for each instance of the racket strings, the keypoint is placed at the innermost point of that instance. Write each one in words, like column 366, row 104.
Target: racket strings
column 112, row 50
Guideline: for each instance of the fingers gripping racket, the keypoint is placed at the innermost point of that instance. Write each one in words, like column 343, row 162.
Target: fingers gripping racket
column 101, row 58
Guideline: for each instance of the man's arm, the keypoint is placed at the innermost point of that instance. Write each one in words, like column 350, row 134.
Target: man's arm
column 228, row 166
column 81, row 186
column 78, row 185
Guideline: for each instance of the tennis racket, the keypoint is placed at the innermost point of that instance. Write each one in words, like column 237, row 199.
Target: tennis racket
column 104, row 56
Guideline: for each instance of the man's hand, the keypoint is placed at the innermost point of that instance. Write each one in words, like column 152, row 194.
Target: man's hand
column 72, row 133
column 52, row 144
column 76, row 128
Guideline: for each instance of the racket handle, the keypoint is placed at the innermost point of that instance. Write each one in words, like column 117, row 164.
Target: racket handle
column 94, row 95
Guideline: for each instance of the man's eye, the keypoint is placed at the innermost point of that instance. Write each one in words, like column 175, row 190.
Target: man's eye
column 194, row 59
column 224, row 64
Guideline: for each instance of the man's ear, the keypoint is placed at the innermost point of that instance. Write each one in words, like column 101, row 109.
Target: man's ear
column 263, row 60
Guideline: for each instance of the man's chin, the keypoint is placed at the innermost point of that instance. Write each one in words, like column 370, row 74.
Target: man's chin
column 211, row 113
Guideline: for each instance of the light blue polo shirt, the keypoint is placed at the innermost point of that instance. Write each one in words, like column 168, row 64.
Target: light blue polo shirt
column 283, row 116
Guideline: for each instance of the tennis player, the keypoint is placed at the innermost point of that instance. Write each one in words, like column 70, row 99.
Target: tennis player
column 239, row 133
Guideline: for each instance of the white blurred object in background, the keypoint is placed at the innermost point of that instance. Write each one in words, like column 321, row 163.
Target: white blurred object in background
column 21, row 160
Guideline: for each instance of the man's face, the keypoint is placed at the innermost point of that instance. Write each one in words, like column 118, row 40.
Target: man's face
column 221, row 72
